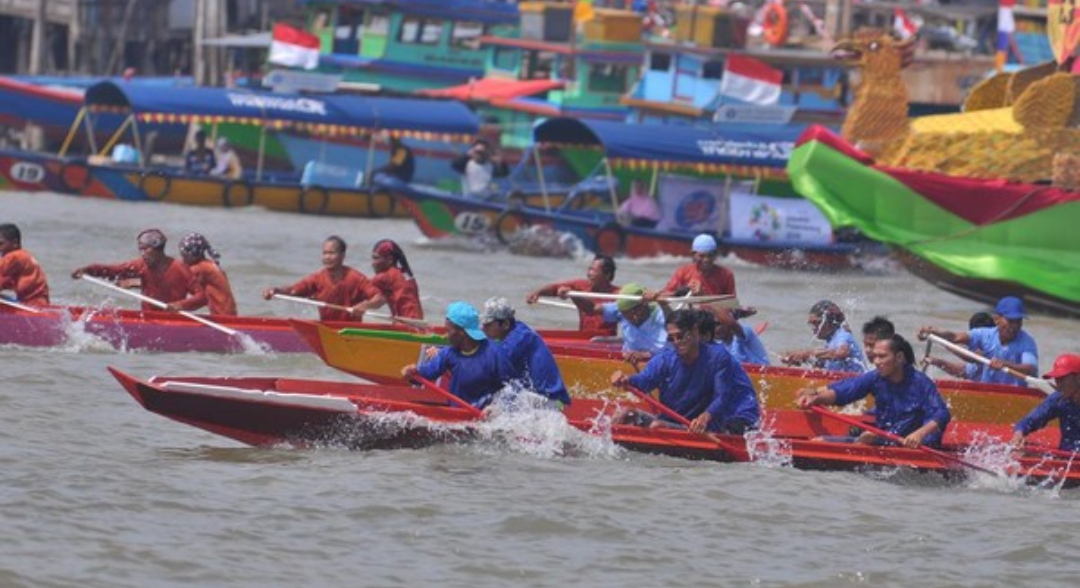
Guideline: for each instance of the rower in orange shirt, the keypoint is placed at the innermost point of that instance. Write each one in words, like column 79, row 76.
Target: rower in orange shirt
column 19, row 271
column 160, row 277
column 394, row 281
column 217, row 293
column 702, row 277
column 336, row 284
column 598, row 279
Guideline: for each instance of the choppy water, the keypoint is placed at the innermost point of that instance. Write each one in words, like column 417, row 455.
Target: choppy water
column 97, row 492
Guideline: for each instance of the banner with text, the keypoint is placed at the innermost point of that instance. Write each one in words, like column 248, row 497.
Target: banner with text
column 776, row 220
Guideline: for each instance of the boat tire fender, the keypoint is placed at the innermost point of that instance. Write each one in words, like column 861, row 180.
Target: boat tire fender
column 160, row 194
column 66, row 171
column 314, row 200
column 237, row 193
column 775, row 21
column 611, row 239
column 506, row 224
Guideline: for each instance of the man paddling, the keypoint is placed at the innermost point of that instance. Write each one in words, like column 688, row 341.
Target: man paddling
column 598, row 280
column 1063, row 405
column 702, row 276
column 531, row 362
column 19, row 271
column 336, row 284
column 841, row 352
column 478, row 368
column 700, row 381
column 741, row 340
column 1006, row 345
column 906, row 402
column 205, row 266
column 641, row 321
column 160, row 277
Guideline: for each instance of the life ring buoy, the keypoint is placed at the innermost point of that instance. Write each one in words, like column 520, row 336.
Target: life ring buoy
column 161, row 192
column 775, row 24
column 507, row 223
column 82, row 173
column 314, row 192
column 610, row 239
column 237, row 193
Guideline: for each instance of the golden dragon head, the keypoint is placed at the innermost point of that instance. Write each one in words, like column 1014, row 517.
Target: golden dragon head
column 875, row 50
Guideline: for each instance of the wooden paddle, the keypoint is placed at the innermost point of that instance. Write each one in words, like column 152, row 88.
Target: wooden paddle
column 475, row 412
column 1038, row 383
column 17, row 305
column 736, row 452
column 416, row 323
column 160, row 304
column 900, row 440
column 638, row 297
column 556, row 303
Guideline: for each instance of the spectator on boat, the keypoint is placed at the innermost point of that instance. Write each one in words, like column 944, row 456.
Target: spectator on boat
column 597, row 280
column 402, row 164
column 19, row 271
column 741, row 341
column 205, row 266
column 874, row 330
column 200, row 161
column 906, row 401
column 699, row 381
column 394, row 282
column 531, row 362
column 1005, row 344
column 960, row 369
column 640, row 208
column 336, row 284
column 478, row 368
column 227, row 162
column 703, row 276
column 1063, row 405
column 641, row 322
column 160, row 277
column 841, row 352
column 479, row 168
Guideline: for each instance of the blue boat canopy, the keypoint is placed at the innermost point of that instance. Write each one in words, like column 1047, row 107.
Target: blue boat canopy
column 326, row 114
column 756, row 146
column 482, row 11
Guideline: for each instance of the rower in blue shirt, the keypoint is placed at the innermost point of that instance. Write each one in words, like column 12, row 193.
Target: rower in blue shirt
column 479, row 368
column 906, row 402
column 530, row 359
column 1063, row 405
column 698, row 380
column 741, row 340
column 841, row 353
column 641, row 322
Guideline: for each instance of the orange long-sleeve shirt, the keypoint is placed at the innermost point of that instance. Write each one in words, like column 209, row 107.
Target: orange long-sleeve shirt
column 170, row 282
column 216, row 291
column 719, row 281
column 354, row 287
column 19, row 271
column 400, row 291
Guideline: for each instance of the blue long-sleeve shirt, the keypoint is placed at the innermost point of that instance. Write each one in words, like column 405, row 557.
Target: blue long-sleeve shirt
column 532, row 361
column 987, row 342
column 898, row 408
column 748, row 348
column 649, row 336
column 855, row 360
column 714, row 382
column 475, row 377
column 1056, row 406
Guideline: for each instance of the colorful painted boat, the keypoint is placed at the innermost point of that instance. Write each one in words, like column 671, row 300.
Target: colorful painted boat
column 306, row 413
column 979, row 238
column 378, row 355
column 776, row 231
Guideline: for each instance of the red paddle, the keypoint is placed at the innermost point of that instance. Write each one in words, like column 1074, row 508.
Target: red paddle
column 897, row 438
column 475, row 412
column 734, row 451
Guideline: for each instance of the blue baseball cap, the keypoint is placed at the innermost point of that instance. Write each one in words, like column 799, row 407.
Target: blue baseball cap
column 465, row 316
column 1010, row 307
column 703, row 244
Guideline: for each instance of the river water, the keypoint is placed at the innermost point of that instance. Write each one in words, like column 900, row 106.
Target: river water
column 96, row 491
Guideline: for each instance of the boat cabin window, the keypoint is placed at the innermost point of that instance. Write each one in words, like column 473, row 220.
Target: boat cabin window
column 607, row 77
column 659, row 62
column 466, row 34
column 415, row 30
column 377, row 25
column 712, row 70
column 505, row 58
column 347, row 33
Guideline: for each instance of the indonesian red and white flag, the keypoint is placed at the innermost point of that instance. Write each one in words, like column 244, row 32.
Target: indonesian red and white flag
column 294, row 48
column 750, row 80
column 905, row 28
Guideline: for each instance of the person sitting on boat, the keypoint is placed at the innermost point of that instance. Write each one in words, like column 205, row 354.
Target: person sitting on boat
column 478, row 168
column 960, row 369
column 703, row 276
column 336, row 284
column 841, row 352
column 160, row 277
column 641, row 321
column 598, row 278
column 227, row 162
column 200, row 161
column 19, row 271
column 402, row 164
column 531, row 362
column 217, row 293
column 1063, row 405
column 906, row 401
column 640, row 208
column 741, row 341
column 701, row 382
column 394, row 281
column 479, row 368
column 874, row 330
column 1006, row 345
